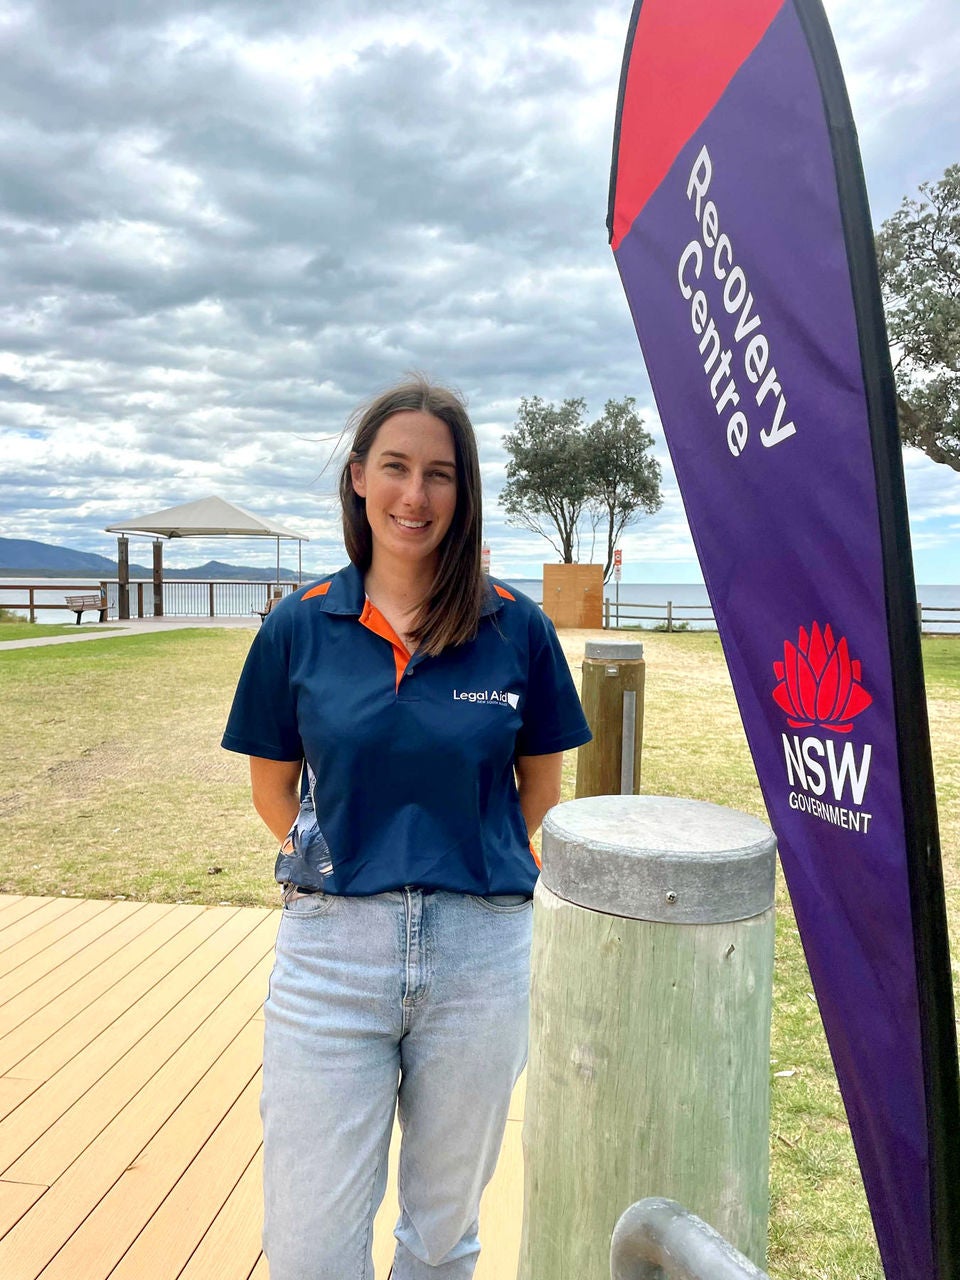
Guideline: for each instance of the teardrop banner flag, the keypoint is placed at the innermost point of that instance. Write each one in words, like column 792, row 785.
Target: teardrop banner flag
column 739, row 222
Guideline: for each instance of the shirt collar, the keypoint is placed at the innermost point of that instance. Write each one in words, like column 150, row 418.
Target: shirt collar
column 346, row 594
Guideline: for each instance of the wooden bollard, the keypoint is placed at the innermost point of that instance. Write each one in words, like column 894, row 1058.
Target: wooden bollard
column 612, row 697
column 650, row 1026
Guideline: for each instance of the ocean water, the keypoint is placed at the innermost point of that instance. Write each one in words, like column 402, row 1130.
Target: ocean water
column 689, row 601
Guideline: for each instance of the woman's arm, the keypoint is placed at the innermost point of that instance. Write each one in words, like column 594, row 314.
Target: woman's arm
column 538, row 782
column 276, row 792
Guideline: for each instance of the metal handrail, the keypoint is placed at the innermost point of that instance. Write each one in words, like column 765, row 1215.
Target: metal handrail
column 660, row 1240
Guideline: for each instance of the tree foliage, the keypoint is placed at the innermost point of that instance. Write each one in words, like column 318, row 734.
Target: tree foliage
column 563, row 471
column 918, row 250
column 544, row 490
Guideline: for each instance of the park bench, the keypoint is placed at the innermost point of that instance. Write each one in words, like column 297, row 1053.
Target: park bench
column 93, row 601
column 273, row 599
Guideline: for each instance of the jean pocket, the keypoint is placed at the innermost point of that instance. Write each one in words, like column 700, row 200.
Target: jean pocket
column 296, row 903
column 503, row 902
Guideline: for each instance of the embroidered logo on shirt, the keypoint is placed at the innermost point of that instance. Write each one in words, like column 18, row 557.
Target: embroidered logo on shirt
column 500, row 696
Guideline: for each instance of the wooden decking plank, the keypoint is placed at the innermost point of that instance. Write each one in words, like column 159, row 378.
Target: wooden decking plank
column 168, row 966
column 230, row 1249
column 261, row 1271
column 12, row 983
column 130, row 1016
column 24, row 965
column 501, row 1211
column 8, row 900
column 143, row 1188
column 46, row 916
column 46, row 1006
column 13, row 1092
column 16, row 1198
column 36, row 1239
column 23, row 906
column 75, row 1127
column 164, row 1246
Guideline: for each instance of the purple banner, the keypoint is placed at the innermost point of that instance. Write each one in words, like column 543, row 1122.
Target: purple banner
column 742, row 236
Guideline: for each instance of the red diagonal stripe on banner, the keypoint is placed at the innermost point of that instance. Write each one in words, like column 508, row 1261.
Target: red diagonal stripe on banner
column 685, row 53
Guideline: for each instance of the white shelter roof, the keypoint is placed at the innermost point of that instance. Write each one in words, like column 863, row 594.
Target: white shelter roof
column 205, row 518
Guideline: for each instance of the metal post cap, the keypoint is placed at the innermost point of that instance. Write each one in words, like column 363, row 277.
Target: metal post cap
column 614, row 650
column 659, row 858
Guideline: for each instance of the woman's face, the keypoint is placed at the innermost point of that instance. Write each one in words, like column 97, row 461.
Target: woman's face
column 409, row 481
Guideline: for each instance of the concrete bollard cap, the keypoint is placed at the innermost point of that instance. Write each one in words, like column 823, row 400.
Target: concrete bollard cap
column 659, row 858
column 614, row 650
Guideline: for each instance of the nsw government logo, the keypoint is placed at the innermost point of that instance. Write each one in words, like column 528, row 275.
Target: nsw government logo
column 821, row 690
column 487, row 697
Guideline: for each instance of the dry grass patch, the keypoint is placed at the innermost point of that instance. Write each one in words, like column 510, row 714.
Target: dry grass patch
column 112, row 780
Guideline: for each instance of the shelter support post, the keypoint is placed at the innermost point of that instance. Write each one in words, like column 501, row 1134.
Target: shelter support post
column 612, row 696
column 123, row 577
column 158, row 579
column 650, row 1025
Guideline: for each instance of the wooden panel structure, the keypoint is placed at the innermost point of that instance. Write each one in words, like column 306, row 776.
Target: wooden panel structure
column 573, row 595
column 130, row 1048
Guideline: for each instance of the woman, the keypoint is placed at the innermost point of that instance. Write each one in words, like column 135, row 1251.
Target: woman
column 405, row 720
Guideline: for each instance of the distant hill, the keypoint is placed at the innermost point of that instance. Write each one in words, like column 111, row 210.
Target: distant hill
column 218, row 570
column 20, row 556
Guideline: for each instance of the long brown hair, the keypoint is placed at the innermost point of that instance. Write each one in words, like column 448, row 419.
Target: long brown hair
column 451, row 612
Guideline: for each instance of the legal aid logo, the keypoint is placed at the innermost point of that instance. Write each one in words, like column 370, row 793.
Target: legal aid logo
column 820, row 684
column 820, row 687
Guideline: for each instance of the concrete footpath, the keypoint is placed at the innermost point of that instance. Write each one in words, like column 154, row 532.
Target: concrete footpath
column 135, row 627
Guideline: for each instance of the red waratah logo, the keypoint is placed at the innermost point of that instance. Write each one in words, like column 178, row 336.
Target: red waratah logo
column 819, row 682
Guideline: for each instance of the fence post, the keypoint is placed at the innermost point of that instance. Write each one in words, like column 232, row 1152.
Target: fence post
column 33, row 612
column 612, row 671
column 211, row 600
column 669, row 615
column 650, row 1025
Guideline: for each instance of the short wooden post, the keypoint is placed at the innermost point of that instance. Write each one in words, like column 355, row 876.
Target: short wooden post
column 650, row 1026
column 158, row 579
column 211, row 600
column 139, row 599
column 33, row 612
column 613, row 670
column 670, row 616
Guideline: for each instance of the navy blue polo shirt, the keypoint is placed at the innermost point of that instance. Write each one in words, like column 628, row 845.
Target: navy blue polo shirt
column 413, row 757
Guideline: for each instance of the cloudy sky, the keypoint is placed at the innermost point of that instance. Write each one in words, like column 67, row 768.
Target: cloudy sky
column 224, row 224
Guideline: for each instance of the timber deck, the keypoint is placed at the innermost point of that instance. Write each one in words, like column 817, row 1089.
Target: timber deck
column 130, row 1047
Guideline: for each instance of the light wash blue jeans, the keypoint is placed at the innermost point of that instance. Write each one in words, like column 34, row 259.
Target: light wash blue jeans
column 411, row 1000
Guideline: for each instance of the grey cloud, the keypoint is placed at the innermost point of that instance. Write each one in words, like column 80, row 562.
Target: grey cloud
column 207, row 260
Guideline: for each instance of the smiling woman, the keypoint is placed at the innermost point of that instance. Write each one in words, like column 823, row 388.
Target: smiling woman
column 404, row 801
column 408, row 481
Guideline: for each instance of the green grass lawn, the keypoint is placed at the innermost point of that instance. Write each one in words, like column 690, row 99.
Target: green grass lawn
column 112, row 782
column 16, row 629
